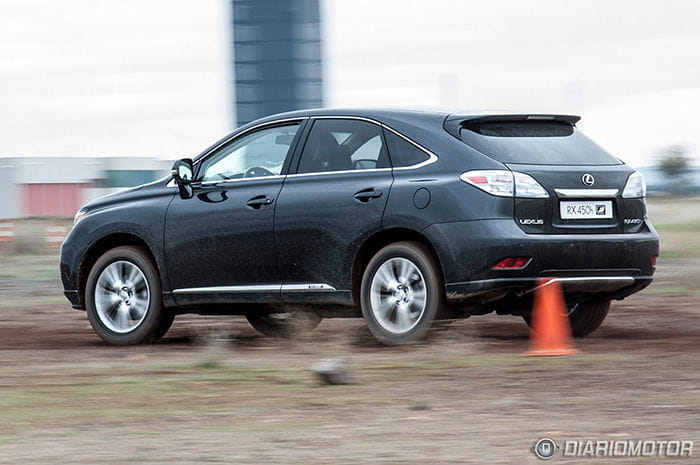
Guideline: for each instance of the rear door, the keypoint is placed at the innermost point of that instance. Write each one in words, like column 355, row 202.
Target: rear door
column 333, row 200
column 584, row 182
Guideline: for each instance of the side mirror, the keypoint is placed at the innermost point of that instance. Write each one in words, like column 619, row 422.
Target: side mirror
column 182, row 171
column 182, row 174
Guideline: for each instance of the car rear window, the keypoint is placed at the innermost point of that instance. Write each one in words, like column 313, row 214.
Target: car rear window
column 402, row 152
column 534, row 143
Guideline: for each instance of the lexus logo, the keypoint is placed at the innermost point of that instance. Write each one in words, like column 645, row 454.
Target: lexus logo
column 588, row 179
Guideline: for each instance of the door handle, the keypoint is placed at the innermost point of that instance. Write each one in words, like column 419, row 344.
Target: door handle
column 365, row 195
column 259, row 201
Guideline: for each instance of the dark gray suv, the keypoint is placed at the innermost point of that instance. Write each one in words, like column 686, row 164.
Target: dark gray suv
column 403, row 217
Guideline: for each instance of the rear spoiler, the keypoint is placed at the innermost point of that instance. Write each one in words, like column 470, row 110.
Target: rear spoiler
column 453, row 123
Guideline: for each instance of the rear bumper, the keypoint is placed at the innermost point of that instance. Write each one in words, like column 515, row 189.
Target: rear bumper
column 613, row 264
column 611, row 287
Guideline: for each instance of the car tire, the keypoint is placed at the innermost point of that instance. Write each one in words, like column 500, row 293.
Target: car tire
column 284, row 325
column 165, row 323
column 584, row 317
column 402, row 293
column 123, row 298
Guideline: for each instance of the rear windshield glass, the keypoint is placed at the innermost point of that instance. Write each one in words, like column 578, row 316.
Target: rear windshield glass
column 535, row 143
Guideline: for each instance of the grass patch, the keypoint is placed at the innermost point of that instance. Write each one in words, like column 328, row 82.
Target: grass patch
column 29, row 268
column 211, row 364
column 677, row 253
column 693, row 226
column 660, row 290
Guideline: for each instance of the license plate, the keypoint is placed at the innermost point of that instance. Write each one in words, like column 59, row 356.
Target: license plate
column 588, row 210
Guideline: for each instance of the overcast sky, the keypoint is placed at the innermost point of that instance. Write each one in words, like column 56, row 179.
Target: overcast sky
column 153, row 77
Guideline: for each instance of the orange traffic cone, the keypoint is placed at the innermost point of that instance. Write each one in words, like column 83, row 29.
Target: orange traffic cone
column 550, row 333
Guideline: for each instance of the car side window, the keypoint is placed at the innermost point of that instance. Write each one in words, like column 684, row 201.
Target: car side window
column 343, row 145
column 260, row 153
column 402, row 152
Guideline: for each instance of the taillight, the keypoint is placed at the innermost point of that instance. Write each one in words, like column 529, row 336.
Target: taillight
column 505, row 183
column 512, row 263
column 635, row 187
column 653, row 260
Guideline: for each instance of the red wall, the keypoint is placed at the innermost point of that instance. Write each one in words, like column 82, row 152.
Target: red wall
column 51, row 199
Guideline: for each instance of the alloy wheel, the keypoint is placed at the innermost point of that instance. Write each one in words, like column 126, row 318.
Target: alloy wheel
column 398, row 295
column 122, row 296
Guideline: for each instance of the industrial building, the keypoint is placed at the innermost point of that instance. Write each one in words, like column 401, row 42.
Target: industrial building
column 54, row 186
column 276, row 52
column 277, row 57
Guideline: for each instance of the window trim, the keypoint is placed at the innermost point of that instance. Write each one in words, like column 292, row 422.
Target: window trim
column 432, row 158
column 297, row 161
column 232, row 138
column 290, row 152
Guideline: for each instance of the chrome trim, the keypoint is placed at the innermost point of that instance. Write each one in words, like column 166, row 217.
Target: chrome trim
column 256, row 288
column 615, row 282
column 586, row 193
column 226, row 181
column 363, row 118
column 587, row 179
column 238, row 134
column 229, row 289
column 313, row 287
column 203, row 156
column 319, row 173
column 432, row 158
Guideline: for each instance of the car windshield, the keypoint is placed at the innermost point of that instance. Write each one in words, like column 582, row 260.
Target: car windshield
column 535, row 143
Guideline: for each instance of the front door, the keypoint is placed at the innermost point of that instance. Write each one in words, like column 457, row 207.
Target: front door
column 219, row 244
column 335, row 199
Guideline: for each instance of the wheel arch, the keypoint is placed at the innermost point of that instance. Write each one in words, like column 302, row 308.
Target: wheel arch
column 102, row 245
column 375, row 242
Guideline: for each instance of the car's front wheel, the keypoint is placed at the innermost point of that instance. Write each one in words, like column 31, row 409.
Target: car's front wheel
column 123, row 298
column 402, row 293
column 584, row 317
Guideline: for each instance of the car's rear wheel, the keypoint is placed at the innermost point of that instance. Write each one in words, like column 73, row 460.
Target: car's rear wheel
column 402, row 293
column 123, row 298
column 284, row 325
column 584, row 317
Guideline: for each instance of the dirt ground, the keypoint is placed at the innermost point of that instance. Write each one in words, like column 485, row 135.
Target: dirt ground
column 214, row 391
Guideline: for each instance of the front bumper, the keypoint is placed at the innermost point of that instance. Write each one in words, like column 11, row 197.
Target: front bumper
column 70, row 256
column 615, row 265
column 73, row 298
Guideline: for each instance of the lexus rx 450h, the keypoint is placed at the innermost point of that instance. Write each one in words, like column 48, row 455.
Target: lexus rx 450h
column 404, row 218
